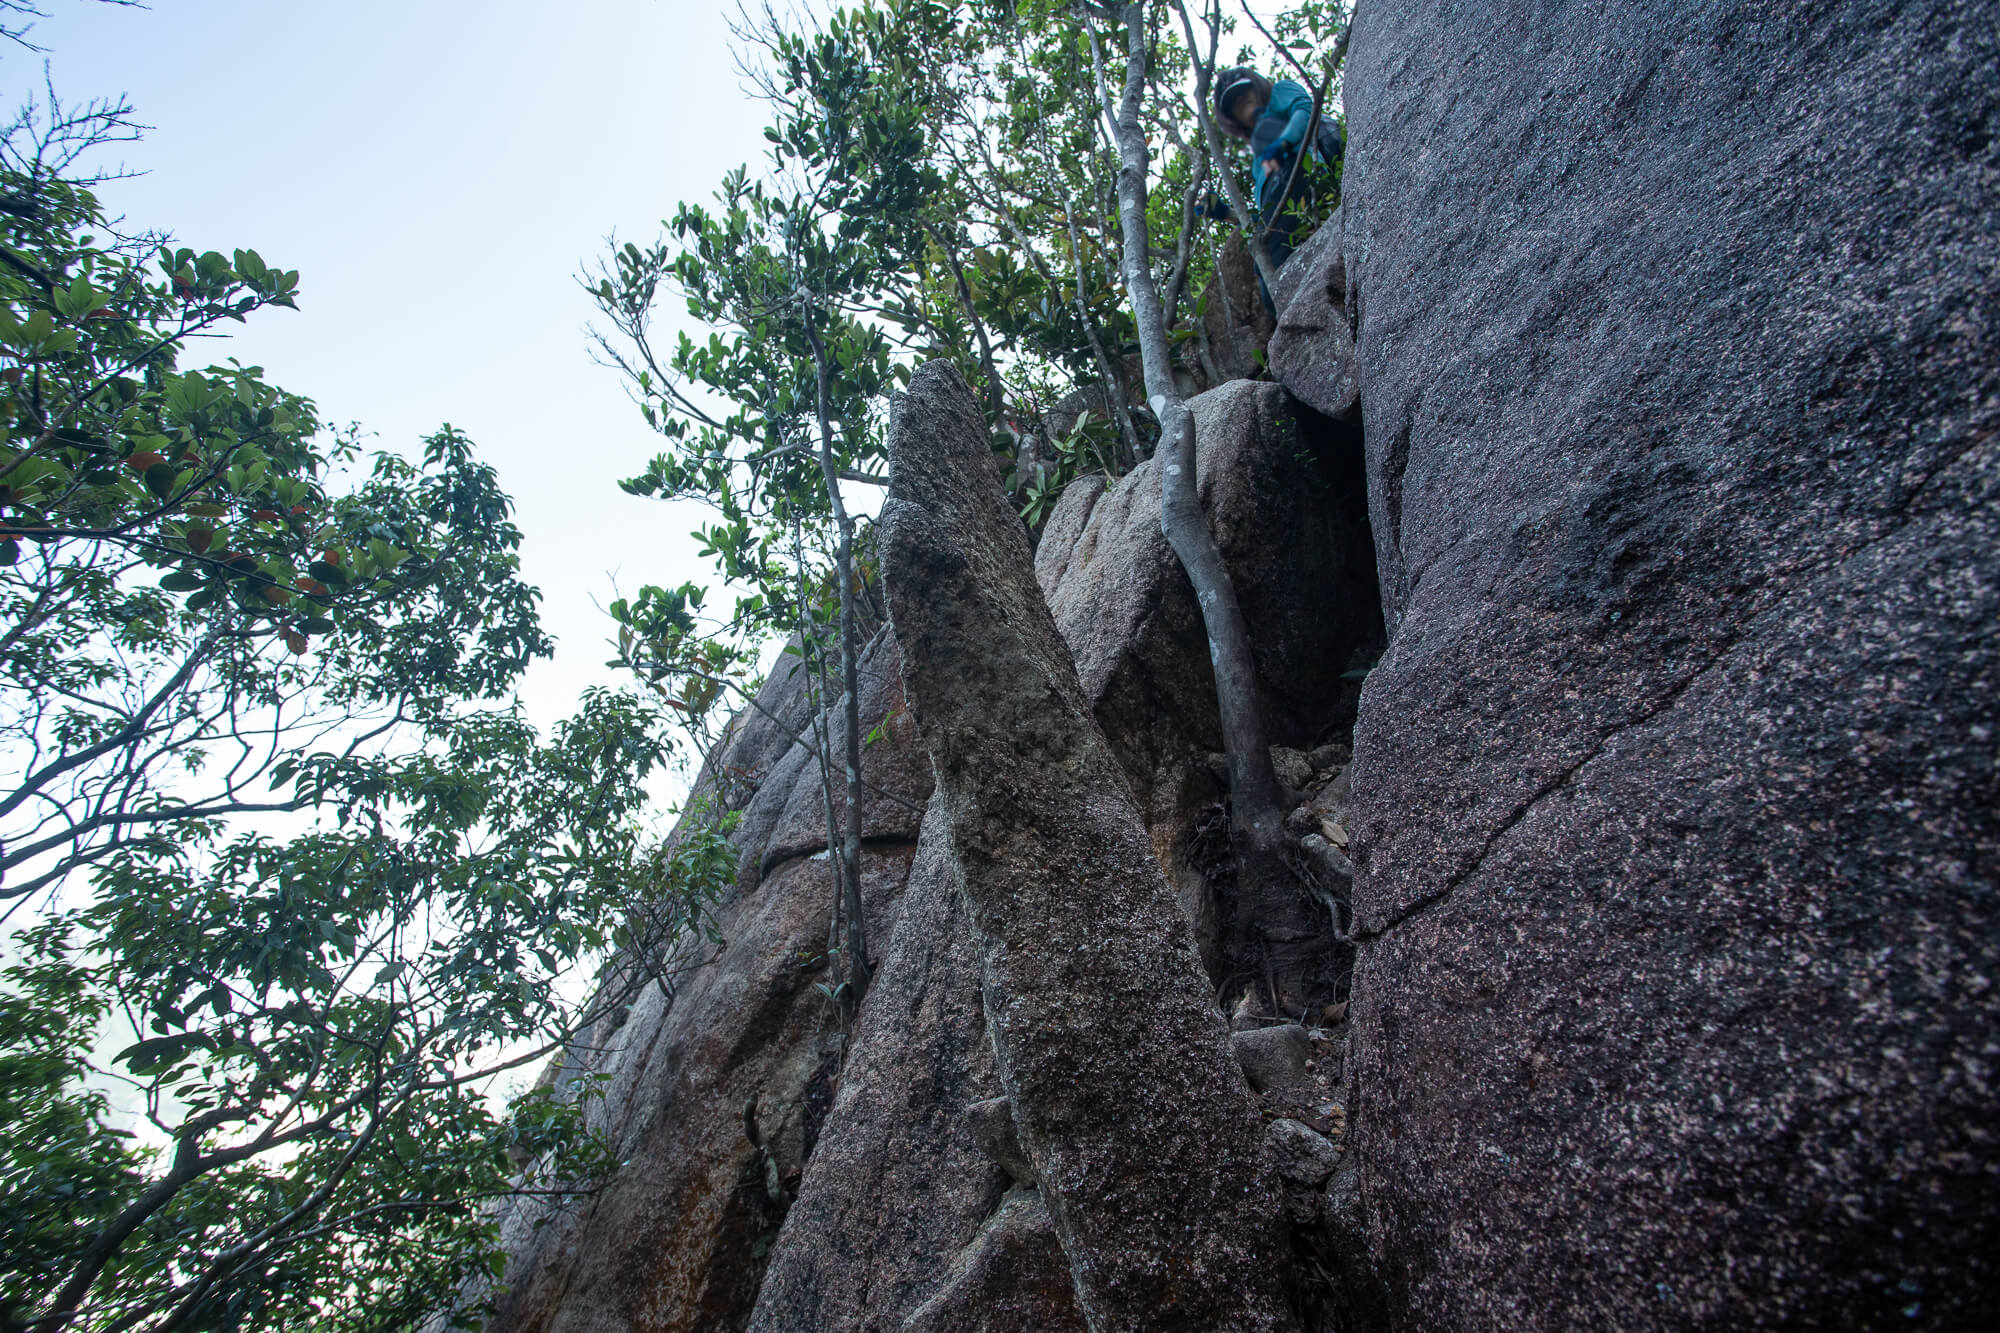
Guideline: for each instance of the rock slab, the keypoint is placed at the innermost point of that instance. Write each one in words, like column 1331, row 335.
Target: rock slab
column 675, row 1242
column 1111, row 1049
column 897, row 1184
column 1677, row 815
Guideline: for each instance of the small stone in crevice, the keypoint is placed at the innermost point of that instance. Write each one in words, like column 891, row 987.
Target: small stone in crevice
column 1273, row 1058
column 1294, row 769
column 1302, row 1157
column 1331, row 756
column 993, row 1130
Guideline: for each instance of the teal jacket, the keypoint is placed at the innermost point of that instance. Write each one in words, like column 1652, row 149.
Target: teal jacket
column 1287, row 113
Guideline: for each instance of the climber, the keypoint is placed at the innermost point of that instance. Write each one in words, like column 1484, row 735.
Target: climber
column 1274, row 118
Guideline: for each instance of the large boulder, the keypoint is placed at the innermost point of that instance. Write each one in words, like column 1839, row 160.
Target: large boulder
column 1137, row 1124
column 1677, row 818
column 1283, row 495
column 1312, row 349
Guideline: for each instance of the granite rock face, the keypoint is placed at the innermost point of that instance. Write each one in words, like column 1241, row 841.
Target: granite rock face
column 1675, row 798
column 675, row 1241
column 1140, row 1130
column 898, row 1182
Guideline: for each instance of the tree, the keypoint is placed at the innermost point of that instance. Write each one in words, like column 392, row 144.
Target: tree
column 319, row 1019
column 208, row 615
column 781, row 404
column 170, row 551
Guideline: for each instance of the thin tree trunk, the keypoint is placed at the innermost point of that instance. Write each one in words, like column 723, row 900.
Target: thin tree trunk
column 1114, row 384
column 995, row 393
column 1255, row 802
column 816, row 665
column 850, row 672
column 1170, row 304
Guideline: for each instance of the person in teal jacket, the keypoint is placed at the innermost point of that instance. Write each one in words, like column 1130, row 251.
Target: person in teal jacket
column 1275, row 119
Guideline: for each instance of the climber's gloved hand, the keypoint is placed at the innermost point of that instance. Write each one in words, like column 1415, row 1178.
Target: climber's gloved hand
column 1275, row 160
column 1215, row 208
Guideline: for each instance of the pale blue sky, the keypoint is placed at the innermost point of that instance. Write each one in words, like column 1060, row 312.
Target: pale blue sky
column 437, row 170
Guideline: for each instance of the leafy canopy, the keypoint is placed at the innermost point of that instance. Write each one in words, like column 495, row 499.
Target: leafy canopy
column 213, row 611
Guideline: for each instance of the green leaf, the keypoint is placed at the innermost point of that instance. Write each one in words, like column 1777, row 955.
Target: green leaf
column 155, row 1053
column 34, row 330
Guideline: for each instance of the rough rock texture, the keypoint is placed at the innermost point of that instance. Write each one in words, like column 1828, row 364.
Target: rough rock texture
column 898, row 1182
column 1012, row 1279
column 1312, row 349
column 1235, row 326
column 1141, row 1132
column 674, row 1243
column 1293, row 535
column 1676, row 793
column 1065, row 526
column 895, row 1207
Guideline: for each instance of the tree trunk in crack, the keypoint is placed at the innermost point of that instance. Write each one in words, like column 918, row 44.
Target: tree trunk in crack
column 1256, row 806
column 850, row 672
